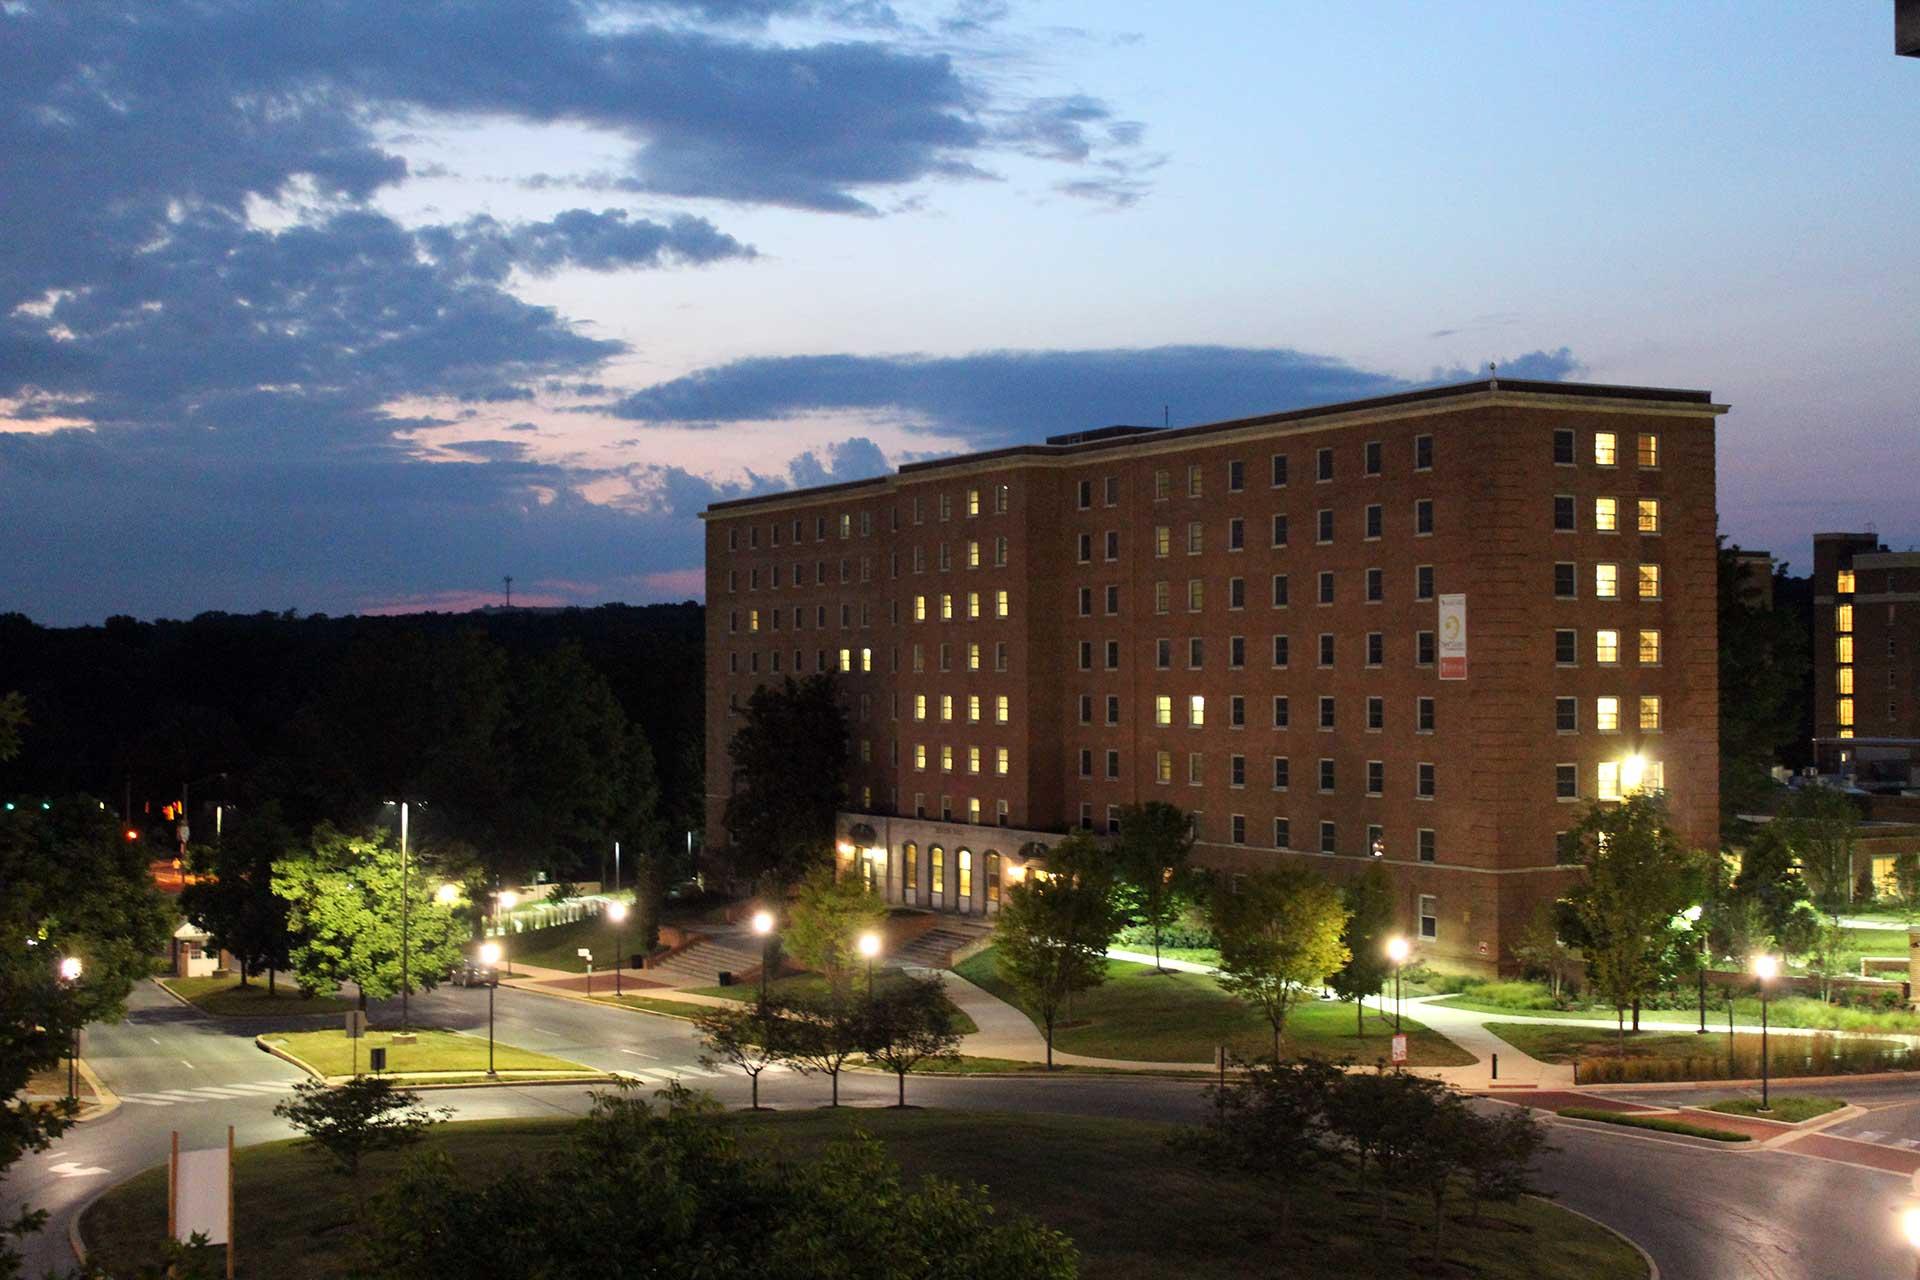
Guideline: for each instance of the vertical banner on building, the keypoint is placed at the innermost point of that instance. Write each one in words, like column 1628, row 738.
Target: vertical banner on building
column 1453, row 637
column 200, row 1195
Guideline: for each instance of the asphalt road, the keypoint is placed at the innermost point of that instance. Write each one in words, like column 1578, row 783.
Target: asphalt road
column 1703, row 1214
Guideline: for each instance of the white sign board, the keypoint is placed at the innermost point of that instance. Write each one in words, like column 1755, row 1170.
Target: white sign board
column 1399, row 1049
column 202, row 1190
column 1453, row 637
column 356, row 1024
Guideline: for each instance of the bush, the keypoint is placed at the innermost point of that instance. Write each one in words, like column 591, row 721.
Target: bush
column 1418, row 980
column 1515, row 995
column 1183, row 933
column 1787, row 1056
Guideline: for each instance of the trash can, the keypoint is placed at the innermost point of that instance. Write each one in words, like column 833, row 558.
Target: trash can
column 726, row 977
column 377, row 1059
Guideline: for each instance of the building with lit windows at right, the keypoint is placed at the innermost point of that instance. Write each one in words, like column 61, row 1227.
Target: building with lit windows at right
column 1424, row 629
column 1866, row 660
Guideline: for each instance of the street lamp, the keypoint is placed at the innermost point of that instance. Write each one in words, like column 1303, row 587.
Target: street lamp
column 505, row 900
column 763, row 925
column 70, row 975
column 406, row 935
column 490, row 957
column 617, row 912
column 1398, row 948
column 869, row 947
column 1692, row 918
column 1765, row 968
column 1910, row 1225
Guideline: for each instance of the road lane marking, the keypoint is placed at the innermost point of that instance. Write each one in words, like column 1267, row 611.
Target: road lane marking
column 1865, row 1135
column 219, row 1093
column 142, row 1100
column 188, row 1065
column 636, row 1053
column 70, row 1169
column 276, row 1087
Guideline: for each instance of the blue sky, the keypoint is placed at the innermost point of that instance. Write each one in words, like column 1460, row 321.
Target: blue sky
column 363, row 311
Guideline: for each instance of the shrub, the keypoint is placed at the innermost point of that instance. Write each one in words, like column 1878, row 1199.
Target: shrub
column 1515, row 995
column 1183, row 933
column 1787, row 1056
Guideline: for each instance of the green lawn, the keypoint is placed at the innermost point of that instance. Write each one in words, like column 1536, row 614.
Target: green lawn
column 1662, row 1124
column 1792, row 1108
column 813, row 985
column 1179, row 1017
column 332, row 1054
column 1787, row 1011
column 1137, row 1208
column 559, row 946
column 1687, row 1055
column 224, row 996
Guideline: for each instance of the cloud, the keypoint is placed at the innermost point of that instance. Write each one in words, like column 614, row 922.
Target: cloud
column 1535, row 366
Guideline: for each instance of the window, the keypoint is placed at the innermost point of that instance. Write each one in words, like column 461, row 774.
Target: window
column 1237, row 771
column 1113, row 599
column 1002, row 709
column 1163, row 654
column 1329, row 838
column 973, row 759
column 1423, row 517
column 1373, row 458
column 1326, row 648
column 1606, row 714
column 1376, row 586
column 1563, row 580
column 1423, row 781
column 946, row 607
column 1086, row 708
column 1162, row 597
column 1113, row 491
column 1607, row 780
column 1429, row 916
column 1843, row 618
column 1566, row 647
column 1000, row 552
column 846, row 661
column 1326, row 711
column 1236, row 651
column 1324, row 531
column 1279, row 590
column 1113, row 766
column 1163, row 767
column 973, row 604
column 1376, row 777
column 1326, row 586
column 1649, row 713
column 1280, row 530
column 1566, row 782
column 1162, row 485
column 1423, row 718
column 920, row 755
column 1196, row 653
column 1239, row 827
column 1282, row 717
column 1086, row 494
column 1113, row 708
column 1282, row 833
column 1279, row 470
column 973, row 655
column 1197, row 710
column 1649, row 515
column 1236, row 476
column 1376, row 840
column 1326, row 773
column 946, row 707
column 946, row 506
column 973, row 708
column 1000, row 604
column 1280, row 654
column 1843, row 712
column 1606, row 581
column 1564, row 519
column 1236, row 535
column 1423, row 453
column 1566, row 715
column 1423, row 582
column 1196, row 769
column 1196, row 538
column 1193, row 480
column 1236, row 593
column 1424, row 839
column 1423, row 648
column 1163, row 709
column 1280, row 773
column 1323, row 464
column 1000, row 657
column 973, row 502
column 1604, row 449
column 1376, row 521
column 1563, row 448
column 1649, row 449
column 1843, row 582
column 1084, row 548
column 1196, row 595
column 1606, row 647
column 1606, row 515
column 1843, row 649
column 1113, row 655
column 1162, row 541
column 938, row 870
column 1649, row 582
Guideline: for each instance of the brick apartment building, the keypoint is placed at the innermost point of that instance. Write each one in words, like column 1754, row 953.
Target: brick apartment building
column 1866, row 659
column 1424, row 628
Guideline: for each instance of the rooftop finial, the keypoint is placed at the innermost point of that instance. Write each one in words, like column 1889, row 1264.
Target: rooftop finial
column 1493, row 376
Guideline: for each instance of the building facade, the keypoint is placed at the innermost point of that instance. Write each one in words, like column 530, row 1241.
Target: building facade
column 1423, row 629
column 1866, row 660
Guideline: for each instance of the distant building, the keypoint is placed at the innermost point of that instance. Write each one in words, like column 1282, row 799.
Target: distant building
column 1906, row 28
column 1866, row 659
column 1423, row 630
column 1755, row 572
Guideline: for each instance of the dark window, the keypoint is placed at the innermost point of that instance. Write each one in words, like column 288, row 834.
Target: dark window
column 1113, row 491
column 1236, row 593
column 1326, row 586
column 1113, row 764
column 1373, row 457
column 1323, row 462
column 1279, row 590
column 1086, row 602
column 1423, row 516
column 1196, row 652
column 1280, row 773
column 1566, row 715
column 1376, row 520
column 1423, row 453
column 1424, row 781
column 1282, row 833
column 1279, row 531
column 1376, row 584
column 1237, row 651
column 1566, row 784
column 1376, row 648
column 1376, row 713
column 1113, row 544
column 1237, row 711
column 1329, row 838
column 1326, row 712
column 1113, row 655
column 1566, row 850
column 1236, row 476
column 1086, row 655
column 1426, row 845
column 1279, row 469
column 1326, row 524
column 1566, row 648
column 1086, row 494
column 1163, row 654
column 1563, row 448
column 1237, row 770
column 1376, row 777
column 1564, row 580
column 1326, row 773
column 1423, row 648
column 1280, row 654
column 1282, row 717
column 1113, row 709
column 1564, row 518
column 1326, row 648
column 1236, row 534
column 1239, row 824
column 1085, row 542
column 1086, row 763
column 1423, row 582
column 1113, row 600
column 1423, row 715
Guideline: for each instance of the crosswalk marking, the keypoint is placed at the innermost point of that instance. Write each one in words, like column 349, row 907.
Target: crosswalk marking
column 207, row 1093
column 1867, row 1135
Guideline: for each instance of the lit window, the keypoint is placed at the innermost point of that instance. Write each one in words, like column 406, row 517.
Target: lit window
column 920, row 755
column 1843, row 712
column 1000, row 760
column 1843, row 649
column 946, row 607
column 973, row 604
column 973, row 502
column 1163, row 767
column 1649, row 713
column 1649, row 582
column 946, row 759
column 919, row 608
column 973, row 759
column 1843, row 679
column 1843, row 618
column 1649, row 449
column 973, row 708
column 1606, row 581
column 1002, row 709
column 919, row 706
column 1649, row 515
column 753, row 619
column 1649, row 648
column 866, row 659
column 1604, row 448
column 973, row 555
column 1606, row 714
column 846, row 660
column 973, row 656
column 1606, row 647
column 1162, row 540
column 1843, row 583
column 1000, row 606
column 1608, row 780
column 1197, row 710
column 1163, row 709
column 1606, row 515
column 846, row 525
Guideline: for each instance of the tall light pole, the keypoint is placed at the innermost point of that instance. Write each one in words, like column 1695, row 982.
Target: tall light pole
column 70, row 975
column 1398, row 948
column 504, row 902
column 617, row 912
column 1910, row 1225
column 869, row 947
column 406, row 935
column 490, row 957
column 763, row 925
column 1765, row 968
column 1692, row 916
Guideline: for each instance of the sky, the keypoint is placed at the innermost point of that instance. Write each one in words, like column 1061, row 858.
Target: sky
column 361, row 307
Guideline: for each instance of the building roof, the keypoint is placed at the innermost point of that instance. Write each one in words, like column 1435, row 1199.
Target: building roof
column 1120, row 437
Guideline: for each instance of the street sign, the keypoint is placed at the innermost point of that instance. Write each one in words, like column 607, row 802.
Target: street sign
column 585, row 953
column 356, row 1024
column 1399, row 1049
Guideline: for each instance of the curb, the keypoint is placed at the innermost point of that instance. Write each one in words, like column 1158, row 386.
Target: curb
column 1653, row 1268
column 106, row 1100
column 1753, row 1082
column 1745, row 1144
column 161, row 983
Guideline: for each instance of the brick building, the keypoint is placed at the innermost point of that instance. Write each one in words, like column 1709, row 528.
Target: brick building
column 1866, row 659
column 1424, row 628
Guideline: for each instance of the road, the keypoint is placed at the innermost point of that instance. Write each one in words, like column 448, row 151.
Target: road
column 1703, row 1214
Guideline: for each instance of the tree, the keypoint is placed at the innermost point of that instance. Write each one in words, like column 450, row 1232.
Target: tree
column 1818, row 824
column 824, row 1031
column 1765, row 669
column 1271, row 1123
column 1151, row 856
column 232, row 894
column 13, row 719
column 826, row 920
column 1500, row 1164
column 343, row 896
column 664, row 1188
column 1369, row 902
column 750, row 1037
column 1638, row 878
column 1906, row 883
column 1541, row 950
column 1050, row 938
column 1279, row 933
column 909, row 1022
column 1770, row 880
column 779, row 817
column 348, row 1122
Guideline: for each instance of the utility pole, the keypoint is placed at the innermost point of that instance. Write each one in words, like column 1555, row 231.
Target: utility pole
column 509, row 582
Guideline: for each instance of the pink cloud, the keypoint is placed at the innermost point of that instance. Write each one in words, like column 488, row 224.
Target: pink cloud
column 677, row 584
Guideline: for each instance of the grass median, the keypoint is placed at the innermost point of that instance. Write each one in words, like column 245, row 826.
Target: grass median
column 1144, row 1016
column 1659, row 1124
column 1136, row 1208
column 331, row 1053
column 223, row 996
column 1789, row 1109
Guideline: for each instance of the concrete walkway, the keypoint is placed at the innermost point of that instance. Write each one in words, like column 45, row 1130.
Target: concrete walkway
column 1146, row 957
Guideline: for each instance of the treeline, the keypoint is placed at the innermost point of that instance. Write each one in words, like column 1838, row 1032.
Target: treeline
column 533, row 739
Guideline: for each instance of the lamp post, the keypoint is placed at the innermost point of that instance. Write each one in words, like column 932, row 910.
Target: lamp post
column 1692, row 916
column 406, row 934
column 504, row 901
column 490, row 957
column 763, row 925
column 70, row 975
column 617, row 912
column 1910, row 1226
column 869, row 947
column 1398, row 949
column 1765, row 967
